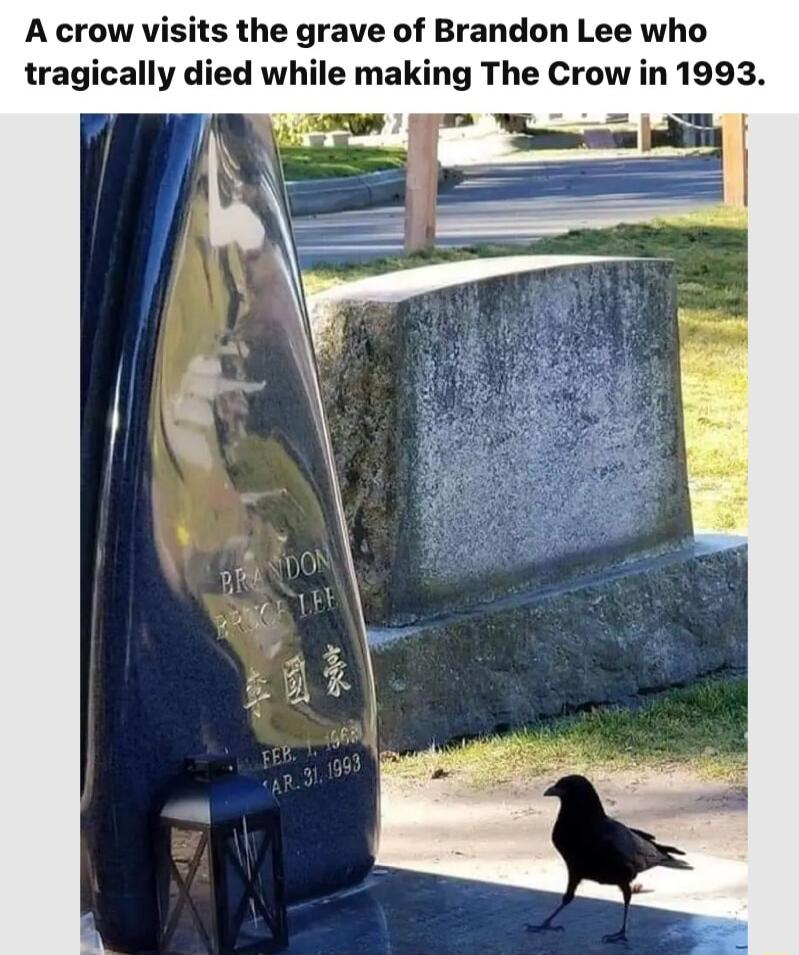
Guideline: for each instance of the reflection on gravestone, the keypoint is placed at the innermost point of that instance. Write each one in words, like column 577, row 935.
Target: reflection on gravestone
column 222, row 612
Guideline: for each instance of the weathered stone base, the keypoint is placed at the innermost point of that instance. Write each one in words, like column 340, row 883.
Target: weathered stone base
column 647, row 625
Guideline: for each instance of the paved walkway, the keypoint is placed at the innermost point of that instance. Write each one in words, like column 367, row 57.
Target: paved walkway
column 521, row 202
column 406, row 912
column 462, row 871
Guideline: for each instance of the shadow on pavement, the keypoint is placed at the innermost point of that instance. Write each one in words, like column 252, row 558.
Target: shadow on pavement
column 404, row 912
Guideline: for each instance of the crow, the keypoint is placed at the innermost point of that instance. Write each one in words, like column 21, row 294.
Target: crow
column 599, row 848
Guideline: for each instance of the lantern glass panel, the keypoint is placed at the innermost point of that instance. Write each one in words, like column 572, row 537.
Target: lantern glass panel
column 189, row 921
column 251, row 911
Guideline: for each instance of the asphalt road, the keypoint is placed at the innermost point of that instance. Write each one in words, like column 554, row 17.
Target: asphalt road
column 520, row 202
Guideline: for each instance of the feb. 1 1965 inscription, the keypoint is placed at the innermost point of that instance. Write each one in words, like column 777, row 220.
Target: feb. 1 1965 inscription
column 220, row 606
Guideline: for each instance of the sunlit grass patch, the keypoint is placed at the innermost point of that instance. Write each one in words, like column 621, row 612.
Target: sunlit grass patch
column 701, row 728
column 328, row 162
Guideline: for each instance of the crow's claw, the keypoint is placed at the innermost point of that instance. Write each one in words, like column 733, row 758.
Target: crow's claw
column 544, row 927
column 615, row 937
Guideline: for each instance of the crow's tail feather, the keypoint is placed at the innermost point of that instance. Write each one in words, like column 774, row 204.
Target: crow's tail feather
column 669, row 850
column 670, row 863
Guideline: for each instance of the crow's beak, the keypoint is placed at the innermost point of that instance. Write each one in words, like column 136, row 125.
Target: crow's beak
column 552, row 791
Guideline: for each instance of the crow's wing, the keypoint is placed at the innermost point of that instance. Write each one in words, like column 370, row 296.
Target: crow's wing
column 650, row 838
column 627, row 851
column 642, row 834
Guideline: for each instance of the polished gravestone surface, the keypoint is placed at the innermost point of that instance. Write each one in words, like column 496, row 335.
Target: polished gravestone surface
column 220, row 605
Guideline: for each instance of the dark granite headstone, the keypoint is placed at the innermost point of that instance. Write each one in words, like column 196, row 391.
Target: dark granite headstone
column 221, row 606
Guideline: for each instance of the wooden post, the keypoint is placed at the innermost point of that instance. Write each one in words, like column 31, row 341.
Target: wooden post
column 644, row 133
column 734, row 159
column 421, row 181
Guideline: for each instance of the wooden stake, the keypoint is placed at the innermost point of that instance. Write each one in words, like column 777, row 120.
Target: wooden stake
column 644, row 133
column 421, row 181
column 734, row 159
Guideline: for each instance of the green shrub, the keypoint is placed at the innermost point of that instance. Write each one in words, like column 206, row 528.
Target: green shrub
column 291, row 127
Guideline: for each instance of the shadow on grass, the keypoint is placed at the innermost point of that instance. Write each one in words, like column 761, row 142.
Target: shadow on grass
column 701, row 726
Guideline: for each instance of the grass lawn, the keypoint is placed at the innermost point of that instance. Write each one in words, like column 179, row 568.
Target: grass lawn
column 328, row 162
column 701, row 728
column 709, row 248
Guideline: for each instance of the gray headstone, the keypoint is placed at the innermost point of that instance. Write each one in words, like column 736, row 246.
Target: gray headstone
column 503, row 424
column 599, row 138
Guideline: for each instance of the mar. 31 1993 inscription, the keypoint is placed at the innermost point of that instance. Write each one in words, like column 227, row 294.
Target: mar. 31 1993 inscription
column 301, row 767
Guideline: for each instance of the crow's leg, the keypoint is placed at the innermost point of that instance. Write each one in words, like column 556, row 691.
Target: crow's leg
column 621, row 935
column 547, row 925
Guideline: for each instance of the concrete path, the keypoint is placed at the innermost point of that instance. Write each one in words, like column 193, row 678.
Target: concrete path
column 462, row 871
column 521, row 202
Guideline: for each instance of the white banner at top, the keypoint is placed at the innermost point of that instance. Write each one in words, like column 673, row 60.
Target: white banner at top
column 353, row 56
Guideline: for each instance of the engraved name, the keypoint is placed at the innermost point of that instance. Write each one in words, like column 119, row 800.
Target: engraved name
column 287, row 568
column 268, row 613
column 253, row 614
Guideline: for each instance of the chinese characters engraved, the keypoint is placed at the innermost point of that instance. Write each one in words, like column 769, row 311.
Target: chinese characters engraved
column 334, row 671
column 294, row 680
column 257, row 692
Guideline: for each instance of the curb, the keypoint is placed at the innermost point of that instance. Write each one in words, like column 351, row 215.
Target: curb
column 314, row 196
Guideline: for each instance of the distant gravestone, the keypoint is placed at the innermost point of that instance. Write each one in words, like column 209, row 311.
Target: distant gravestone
column 599, row 138
column 394, row 123
column 224, row 614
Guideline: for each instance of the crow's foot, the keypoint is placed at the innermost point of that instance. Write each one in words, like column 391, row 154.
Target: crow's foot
column 543, row 927
column 615, row 937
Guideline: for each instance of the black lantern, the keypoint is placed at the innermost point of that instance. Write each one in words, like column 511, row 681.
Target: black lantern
column 220, row 864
